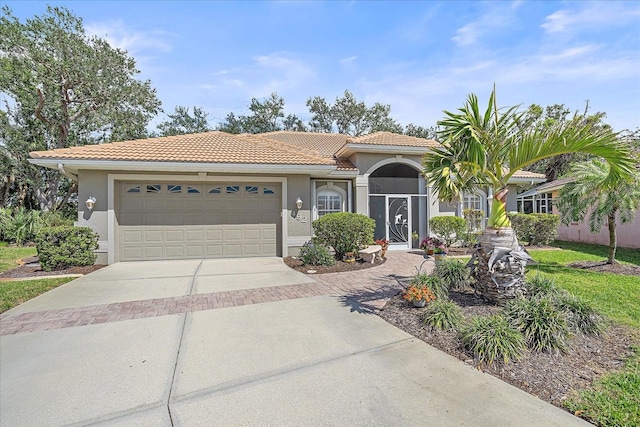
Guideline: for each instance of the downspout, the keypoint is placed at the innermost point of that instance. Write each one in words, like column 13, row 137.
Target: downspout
column 71, row 176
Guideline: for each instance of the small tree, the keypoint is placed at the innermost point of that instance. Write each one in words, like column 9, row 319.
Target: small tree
column 592, row 196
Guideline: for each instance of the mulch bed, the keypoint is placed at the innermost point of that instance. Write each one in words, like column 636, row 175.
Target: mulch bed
column 337, row 267
column 32, row 269
column 602, row 266
column 550, row 377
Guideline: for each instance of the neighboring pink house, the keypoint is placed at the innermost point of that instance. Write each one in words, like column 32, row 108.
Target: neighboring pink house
column 542, row 200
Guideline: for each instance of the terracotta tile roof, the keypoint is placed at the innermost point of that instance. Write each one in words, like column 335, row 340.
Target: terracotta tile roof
column 345, row 164
column 327, row 144
column 208, row 147
column 388, row 138
column 526, row 174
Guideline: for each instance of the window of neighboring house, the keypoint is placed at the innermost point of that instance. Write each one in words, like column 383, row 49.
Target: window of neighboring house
column 329, row 201
column 544, row 203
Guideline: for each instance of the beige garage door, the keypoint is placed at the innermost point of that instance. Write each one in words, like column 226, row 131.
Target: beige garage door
column 214, row 220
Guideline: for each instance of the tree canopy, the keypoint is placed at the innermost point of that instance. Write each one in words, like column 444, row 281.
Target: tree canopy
column 592, row 197
column 65, row 89
column 181, row 122
column 485, row 148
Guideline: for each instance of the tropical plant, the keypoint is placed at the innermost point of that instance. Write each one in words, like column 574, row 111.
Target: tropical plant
column 543, row 325
column 492, row 337
column 444, row 315
column 453, row 273
column 601, row 201
column 474, row 225
column 485, row 149
column 580, row 315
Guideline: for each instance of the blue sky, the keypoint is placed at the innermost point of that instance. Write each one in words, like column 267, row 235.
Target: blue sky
column 419, row 57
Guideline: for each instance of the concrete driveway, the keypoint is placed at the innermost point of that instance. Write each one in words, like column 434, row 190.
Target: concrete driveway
column 238, row 342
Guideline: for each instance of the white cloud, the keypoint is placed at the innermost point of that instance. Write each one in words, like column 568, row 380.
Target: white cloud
column 593, row 15
column 133, row 41
column 492, row 19
column 349, row 60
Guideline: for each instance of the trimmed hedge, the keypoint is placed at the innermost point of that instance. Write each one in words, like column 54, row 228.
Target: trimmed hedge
column 536, row 228
column 344, row 231
column 448, row 228
column 66, row 246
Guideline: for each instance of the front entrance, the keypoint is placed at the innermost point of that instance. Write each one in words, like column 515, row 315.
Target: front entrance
column 399, row 219
column 398, row 205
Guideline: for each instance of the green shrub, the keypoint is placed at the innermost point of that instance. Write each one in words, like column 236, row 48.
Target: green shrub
column 344, row 231
column 580, row 315
column 60, row 247
column 544, row 326
column 443, row 314
column 437, row 286
column 536, row 229
column 23, row 225
column 493, row 337
column 448, row 228
column 315, row 254
column 453, row 273
column 540, row 286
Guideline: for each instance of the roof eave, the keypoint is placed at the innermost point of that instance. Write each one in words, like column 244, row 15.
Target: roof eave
column 350, row 148
column 75, row 165
column 526, row 180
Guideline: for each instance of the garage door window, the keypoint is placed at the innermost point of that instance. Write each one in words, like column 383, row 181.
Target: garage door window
column 154, row 188
column 134, row 189
column 251, row 189
column 267, row 190
column 174, row 189
column 215, row 190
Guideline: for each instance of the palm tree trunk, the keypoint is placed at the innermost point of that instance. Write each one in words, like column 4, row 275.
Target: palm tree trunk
column 498, row 264
column 613, row 238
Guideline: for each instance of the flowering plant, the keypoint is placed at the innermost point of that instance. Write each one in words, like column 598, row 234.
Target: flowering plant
column 418, row 292
column 382, row 242
column 441, row 249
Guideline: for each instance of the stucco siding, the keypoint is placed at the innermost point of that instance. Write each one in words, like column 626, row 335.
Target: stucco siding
column 628, row 234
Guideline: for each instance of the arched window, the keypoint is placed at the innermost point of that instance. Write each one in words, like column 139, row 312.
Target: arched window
column 329, row 201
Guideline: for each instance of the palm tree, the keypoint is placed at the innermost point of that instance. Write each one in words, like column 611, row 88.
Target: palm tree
column 482, row 150
column 590, row 195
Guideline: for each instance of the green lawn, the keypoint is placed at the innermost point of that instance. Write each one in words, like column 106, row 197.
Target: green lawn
column 613, row 400
column 14, row 293
column 10, row 254
column 615, row 295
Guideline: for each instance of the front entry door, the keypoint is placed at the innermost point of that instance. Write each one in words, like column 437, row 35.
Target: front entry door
column 398, row 222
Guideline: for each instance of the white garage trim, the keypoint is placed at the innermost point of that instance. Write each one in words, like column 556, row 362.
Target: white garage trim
column 112, row 178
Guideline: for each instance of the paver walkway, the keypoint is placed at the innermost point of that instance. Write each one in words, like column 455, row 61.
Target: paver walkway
column 367, row 289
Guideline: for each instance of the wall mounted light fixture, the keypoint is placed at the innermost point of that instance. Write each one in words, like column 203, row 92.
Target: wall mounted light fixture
column 91, row 201
column 299, row 203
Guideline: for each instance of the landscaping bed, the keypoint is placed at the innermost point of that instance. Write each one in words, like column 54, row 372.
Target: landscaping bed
column 550, row 377
column 337, row 267
column 603, row 267
column 31, row 268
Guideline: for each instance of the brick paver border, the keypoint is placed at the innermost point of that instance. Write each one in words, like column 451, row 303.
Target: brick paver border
column 370, row 288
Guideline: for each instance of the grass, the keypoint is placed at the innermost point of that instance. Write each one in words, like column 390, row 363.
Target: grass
column 16, row 292
column 9, row 255
column 598, row 252
column 613, row 400
column 615, row 295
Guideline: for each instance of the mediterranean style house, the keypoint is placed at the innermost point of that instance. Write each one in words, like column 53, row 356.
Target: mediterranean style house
column 215, row 194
